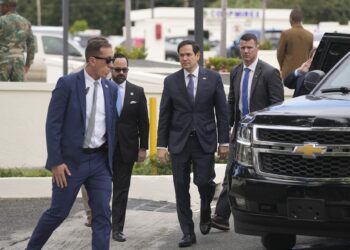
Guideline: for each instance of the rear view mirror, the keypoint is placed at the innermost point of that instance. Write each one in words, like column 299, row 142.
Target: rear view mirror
column 312, row 78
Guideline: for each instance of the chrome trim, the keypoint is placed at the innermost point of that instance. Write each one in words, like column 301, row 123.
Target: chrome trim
column 288, row 148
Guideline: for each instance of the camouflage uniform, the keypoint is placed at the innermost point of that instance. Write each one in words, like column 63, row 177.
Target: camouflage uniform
column 16, row 36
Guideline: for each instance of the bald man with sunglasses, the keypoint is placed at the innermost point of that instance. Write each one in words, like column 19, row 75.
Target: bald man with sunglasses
column 131, row 140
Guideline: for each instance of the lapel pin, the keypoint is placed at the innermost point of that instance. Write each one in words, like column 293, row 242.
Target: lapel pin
column 131, row 93
column 204, row 78
column 106, row 86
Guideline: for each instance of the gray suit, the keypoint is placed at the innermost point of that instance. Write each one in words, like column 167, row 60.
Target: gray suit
column 266, row 89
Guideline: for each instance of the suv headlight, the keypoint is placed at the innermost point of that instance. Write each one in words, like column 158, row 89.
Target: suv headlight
column 243, row 146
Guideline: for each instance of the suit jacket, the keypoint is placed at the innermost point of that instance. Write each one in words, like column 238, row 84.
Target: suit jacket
column 293, row 48
column 296, row 82
column 178, row 116
column 266, row 89
column 133, row 124
column 65, row 124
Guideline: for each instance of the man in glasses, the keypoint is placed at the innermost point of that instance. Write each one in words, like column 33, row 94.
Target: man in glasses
column 131, row 140
column 80, row 142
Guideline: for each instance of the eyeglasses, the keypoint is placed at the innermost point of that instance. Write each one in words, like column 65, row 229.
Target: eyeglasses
column 117, row 70
column 108, row 60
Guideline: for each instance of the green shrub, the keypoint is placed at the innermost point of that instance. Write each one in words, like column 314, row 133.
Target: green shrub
column 152, row 166
column 24, row 172
column 265, row 45
column 222, row 63
column 134, row 53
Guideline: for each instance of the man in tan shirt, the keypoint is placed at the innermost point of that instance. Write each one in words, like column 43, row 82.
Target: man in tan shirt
column 295, row 45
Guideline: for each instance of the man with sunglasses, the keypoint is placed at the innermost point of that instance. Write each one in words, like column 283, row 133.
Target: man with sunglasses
column 80, row 141
column 131, row 140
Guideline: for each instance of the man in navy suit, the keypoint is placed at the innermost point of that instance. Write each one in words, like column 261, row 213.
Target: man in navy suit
column 80, row 138
column 263, row 88
column 192, row 121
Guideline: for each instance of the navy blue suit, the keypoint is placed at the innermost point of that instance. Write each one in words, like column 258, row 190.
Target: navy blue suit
column 65, row 129
column 192, row 131
column 297, row 83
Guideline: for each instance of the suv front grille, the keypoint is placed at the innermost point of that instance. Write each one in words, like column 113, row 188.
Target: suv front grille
column 301, row 136
column 297, row 166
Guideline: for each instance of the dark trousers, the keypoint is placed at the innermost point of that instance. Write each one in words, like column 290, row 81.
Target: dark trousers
column 121, row 184
column 222, row 208
column 203, row 177
column 95, row 175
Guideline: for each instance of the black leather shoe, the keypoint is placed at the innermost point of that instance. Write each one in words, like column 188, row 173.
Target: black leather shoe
column 187, row 240
column 119, row 236
column 220, row 223
column 205, row 226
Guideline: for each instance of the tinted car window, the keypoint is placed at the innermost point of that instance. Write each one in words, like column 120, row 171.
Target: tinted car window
column 54, row 46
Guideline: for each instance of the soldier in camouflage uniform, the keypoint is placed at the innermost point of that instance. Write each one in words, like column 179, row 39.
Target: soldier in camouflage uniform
column 16, row 36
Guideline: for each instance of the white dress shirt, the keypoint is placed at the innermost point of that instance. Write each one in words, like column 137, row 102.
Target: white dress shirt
column 98, row 135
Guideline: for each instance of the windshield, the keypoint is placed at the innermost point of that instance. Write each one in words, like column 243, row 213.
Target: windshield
column 338, row 77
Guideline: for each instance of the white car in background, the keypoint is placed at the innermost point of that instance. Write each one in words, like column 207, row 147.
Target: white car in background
column 49, row 48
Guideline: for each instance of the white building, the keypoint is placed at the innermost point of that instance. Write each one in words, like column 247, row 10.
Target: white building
column 170, row 22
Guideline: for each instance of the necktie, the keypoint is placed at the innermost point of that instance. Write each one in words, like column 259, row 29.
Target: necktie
column 245, row 107
column 190, row 88
column 119, row 100
column 91, row 122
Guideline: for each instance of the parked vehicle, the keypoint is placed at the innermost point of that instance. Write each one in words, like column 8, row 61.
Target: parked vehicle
column 49, row 46
column 291, row 174
column 271, row 35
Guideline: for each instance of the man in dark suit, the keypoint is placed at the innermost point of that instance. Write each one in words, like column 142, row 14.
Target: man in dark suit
column 80, row 141
column 192, row 120
column 294, row 45
column 254, row 85
column 295, row 80
column 131, row 140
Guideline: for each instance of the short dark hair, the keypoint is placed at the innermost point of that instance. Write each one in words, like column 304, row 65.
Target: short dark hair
column 248, row 37
column 94, row 45
column 296, row 16
column 195, row 46
column 119, row 55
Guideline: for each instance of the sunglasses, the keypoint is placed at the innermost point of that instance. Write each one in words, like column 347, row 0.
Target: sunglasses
column 108, row 60
column 117, row 70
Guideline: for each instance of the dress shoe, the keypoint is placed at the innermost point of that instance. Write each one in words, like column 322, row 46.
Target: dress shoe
column 205, row 226
column 220, row 223
column 187, row 240
column 119, row 236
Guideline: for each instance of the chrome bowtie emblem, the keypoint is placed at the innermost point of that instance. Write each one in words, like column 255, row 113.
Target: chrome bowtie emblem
column 310, row 150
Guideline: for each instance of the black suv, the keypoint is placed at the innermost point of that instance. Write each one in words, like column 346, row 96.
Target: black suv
column 291, row 174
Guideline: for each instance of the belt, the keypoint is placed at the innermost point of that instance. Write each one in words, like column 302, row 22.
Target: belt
column 104, row 147
column 193, row 133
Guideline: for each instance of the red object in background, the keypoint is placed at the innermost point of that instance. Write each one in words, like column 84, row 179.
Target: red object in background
column 158, row 31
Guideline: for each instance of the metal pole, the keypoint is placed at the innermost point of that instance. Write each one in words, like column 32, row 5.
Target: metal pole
column 38, row 12
column 153, row 126
column 263, row 21
column 127, row 25
column 198, row 26
column 65, row 22
column 223, row 28
column 152, row 8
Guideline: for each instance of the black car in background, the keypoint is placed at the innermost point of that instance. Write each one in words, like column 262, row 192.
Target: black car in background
column 291, row 174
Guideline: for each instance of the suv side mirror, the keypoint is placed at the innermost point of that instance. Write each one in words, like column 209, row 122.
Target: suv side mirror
column 312, row 78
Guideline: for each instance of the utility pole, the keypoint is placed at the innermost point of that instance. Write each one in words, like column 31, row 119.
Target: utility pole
column 151, row 3
column 223, row 28
column 65, row 22
column 263, row 21
column 38, row 12
column 198, row 27
column 127, row 25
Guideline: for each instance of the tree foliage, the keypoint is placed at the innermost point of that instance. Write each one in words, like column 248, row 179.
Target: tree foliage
column 108, row 15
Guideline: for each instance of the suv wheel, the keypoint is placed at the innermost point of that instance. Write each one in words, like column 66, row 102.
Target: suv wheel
column 275, row 241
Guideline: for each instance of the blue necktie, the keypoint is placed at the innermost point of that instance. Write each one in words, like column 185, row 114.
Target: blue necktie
column 245, row 107
column 190, row 88
column 119, row 101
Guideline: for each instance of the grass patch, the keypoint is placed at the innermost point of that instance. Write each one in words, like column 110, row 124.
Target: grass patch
column 24, row 172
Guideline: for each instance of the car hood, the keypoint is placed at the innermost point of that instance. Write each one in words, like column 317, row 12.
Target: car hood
column 307, row 111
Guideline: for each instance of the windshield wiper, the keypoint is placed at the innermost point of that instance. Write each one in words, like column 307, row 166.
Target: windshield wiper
column 344, row 90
